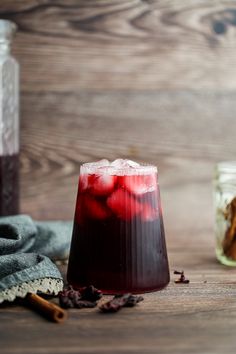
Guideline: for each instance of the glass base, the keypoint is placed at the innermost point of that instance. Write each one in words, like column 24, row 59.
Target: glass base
column 222, row 258
column 125, row 291
column 136, row 291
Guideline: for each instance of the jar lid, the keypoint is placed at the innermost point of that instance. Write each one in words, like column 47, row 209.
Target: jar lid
column 226, row 167
column 7, row 29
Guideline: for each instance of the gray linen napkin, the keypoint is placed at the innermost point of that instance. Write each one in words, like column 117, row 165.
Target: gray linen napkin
column 25, row 251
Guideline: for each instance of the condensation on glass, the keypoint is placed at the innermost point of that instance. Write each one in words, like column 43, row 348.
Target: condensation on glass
column 225, row 212
column 9, row 123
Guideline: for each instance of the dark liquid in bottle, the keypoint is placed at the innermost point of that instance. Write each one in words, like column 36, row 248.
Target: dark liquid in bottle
column 9, row 185
column 118, row 241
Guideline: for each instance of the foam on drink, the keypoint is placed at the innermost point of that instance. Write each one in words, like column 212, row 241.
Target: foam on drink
column 119, row 167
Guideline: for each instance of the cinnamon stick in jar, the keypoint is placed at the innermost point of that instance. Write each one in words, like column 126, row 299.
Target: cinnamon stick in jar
column 48, row 309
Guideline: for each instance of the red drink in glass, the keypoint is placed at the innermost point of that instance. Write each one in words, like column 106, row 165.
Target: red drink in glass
column 118, row 241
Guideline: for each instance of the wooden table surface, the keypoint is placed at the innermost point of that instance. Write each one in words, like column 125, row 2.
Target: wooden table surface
column 153, row 81
column 195, row 318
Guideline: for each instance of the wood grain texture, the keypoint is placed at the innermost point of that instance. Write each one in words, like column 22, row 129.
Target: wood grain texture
column 125, row 44
column 194, row 318
column 149, row 80
column 185, row 143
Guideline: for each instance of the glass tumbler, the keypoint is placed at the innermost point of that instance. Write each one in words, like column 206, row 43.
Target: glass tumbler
column 9, row 123
column 118, row 243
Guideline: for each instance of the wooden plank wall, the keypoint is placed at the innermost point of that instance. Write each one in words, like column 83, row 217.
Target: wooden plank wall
column 148, row 80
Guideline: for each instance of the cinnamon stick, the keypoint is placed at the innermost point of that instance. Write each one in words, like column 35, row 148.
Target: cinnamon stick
column 229, row 241
column 52, row 311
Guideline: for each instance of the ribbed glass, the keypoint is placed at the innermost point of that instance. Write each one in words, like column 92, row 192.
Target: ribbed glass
column 9, row 123
column 118, row 242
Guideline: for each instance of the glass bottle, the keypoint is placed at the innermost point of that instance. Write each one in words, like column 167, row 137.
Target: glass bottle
column 225, row 212
column 9, row 123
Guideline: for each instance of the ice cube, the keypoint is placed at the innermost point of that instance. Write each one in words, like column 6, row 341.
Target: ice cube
column 138, row 184
column 132, row 163
column 101, row 163
column 124, row 163
column 83, row 182
column 93, row 167
column 123, row 205
column 119, row 163
column 148, row 213
column 103, row 184
column 95, row 209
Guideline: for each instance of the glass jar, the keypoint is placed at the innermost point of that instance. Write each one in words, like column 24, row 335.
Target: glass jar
column 225, row 212
column 9, row 123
